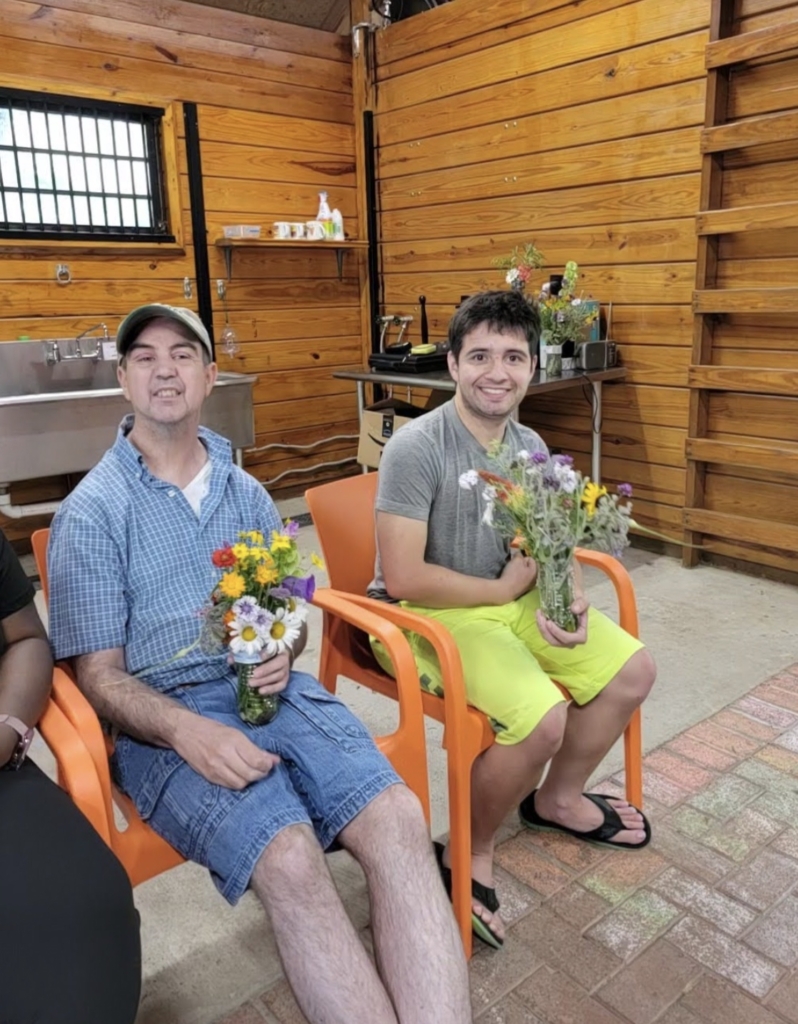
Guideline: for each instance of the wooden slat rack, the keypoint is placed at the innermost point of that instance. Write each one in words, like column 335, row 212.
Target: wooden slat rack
column 727, row 53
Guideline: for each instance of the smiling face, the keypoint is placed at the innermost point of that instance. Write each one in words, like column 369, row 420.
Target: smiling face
column 164, row 376
column 492, row 373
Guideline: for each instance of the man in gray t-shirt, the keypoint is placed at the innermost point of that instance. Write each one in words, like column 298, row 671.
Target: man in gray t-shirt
column 438, row 557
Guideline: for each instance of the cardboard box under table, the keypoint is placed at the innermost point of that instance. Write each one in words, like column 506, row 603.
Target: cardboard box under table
column 378, row 425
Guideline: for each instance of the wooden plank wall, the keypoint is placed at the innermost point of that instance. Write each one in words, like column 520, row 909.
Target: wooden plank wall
column 276, row 124
column 763, row 346
column 575, row 126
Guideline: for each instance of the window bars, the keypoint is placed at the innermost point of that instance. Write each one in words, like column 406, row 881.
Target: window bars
column 77, row 169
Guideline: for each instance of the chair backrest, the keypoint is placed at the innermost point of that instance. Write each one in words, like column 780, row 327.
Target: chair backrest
column 343, row 514
column 40, row 539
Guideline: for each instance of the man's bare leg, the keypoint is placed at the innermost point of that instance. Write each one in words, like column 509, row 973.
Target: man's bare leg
column 589, row 733
column 500, row 778
column 329, row 971
column 419, row 952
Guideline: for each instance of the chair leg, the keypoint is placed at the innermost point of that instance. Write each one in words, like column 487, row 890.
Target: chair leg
column 633, row 759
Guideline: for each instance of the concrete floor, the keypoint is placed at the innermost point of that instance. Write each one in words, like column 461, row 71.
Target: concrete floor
column 715, row 635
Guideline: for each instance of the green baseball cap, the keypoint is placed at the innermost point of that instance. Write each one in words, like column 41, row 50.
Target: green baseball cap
column 130, row 326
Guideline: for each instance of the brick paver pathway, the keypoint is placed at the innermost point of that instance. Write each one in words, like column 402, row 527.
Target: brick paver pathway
column 699, row 928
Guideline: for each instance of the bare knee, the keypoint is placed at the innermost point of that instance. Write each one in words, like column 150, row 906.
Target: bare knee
column 393, row 819
column 637, row 676
column 546, row 738
column 291, row 863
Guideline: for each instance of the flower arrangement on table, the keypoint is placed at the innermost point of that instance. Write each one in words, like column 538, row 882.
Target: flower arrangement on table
column 547, row 509
column 259, row 604
column 565, row 317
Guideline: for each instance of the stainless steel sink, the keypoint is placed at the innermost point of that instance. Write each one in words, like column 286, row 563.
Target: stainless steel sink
column 62, row 418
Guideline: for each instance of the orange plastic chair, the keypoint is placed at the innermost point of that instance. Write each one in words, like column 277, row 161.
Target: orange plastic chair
column 343, row 513
column 142, row 851
column 82, row 754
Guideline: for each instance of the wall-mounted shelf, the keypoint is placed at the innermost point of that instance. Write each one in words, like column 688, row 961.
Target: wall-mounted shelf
column 228, row 245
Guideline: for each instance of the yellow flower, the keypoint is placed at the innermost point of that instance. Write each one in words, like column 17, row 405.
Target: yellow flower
column 264, row 574
column 241, row 551
column 254, row 535
column 318, row 562
column 262, row 555
column 279, row 542
column 591, row 497
column 232, row 584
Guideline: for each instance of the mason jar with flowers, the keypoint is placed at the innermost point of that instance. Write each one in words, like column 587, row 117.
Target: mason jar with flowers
column 258, row 608
column 564, row 318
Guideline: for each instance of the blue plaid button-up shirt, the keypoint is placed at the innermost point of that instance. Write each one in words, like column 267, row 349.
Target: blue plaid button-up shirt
column 130, row 562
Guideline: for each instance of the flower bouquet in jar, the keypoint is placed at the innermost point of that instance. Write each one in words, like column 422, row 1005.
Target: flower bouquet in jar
column 258, row 605
column 547, row 509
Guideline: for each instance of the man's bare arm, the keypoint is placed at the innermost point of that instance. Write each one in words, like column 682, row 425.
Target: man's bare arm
column 408, row 576
column 132, row 706
column 219, row 753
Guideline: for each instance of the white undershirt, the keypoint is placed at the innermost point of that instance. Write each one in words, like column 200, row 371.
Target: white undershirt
column 198, row 488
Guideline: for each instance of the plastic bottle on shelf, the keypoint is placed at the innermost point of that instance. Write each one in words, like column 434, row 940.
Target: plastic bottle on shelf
column 338, row 226
column 324, row 217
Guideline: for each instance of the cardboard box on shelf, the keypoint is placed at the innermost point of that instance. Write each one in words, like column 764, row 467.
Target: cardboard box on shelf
column 378, row 425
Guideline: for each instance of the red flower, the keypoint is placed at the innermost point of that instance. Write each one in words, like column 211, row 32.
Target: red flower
column 223, row 558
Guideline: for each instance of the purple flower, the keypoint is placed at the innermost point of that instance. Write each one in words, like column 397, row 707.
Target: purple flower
column 299, row 586
column 291, row 528
column 540, row 458
column 625, row 490
column 563, row 460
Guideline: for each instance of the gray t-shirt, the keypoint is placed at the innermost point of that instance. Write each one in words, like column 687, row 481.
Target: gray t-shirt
column 420, row 470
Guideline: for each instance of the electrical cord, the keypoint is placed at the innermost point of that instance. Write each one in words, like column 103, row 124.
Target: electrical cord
column 590, row 397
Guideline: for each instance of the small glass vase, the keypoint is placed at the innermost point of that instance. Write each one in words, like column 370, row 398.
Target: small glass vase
column 554, row 361
column 556, row 589
column 253, row 707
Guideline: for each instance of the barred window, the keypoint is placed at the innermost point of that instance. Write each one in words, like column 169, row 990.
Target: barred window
column 74, row 169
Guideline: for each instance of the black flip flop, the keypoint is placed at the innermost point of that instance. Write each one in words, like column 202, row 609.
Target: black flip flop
column 487, row 897
column 601, row 836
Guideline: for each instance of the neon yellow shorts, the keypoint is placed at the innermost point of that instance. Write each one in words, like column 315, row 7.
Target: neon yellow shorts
column 508, row 667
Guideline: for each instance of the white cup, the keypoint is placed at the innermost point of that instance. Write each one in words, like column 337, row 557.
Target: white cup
column 281, row 229
column 297, row 230
column 314, row 230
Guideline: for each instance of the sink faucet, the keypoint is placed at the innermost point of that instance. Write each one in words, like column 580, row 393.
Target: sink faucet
column 52, row 353
column 95, row 354
column 96, row 327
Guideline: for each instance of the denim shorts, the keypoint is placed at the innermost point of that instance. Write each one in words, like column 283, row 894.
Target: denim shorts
column 330, row 769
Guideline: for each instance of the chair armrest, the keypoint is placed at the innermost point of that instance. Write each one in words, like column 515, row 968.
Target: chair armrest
column 76, row 772
column 339, row 605
column 457, row 721
column 621, row 581
column 83, row 718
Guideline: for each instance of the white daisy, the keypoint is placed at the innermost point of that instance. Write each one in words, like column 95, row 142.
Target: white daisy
column 284, row 631
column 245, row 638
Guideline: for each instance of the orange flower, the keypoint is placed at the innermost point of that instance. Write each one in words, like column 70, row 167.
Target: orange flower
column 505, row 489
